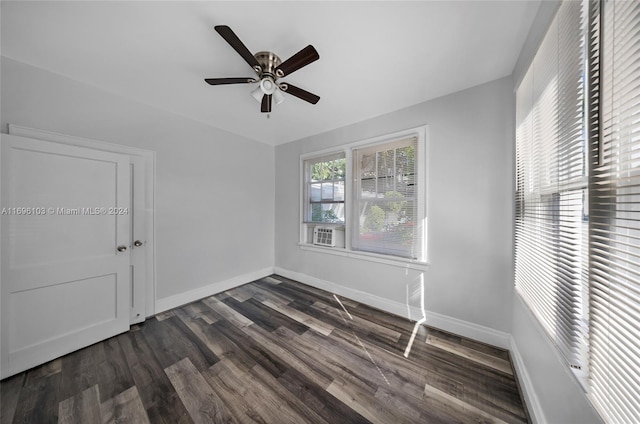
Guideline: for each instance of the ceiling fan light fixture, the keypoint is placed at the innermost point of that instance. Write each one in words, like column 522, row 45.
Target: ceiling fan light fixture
column 278, row 97
column 257, row 94
column 267, row 85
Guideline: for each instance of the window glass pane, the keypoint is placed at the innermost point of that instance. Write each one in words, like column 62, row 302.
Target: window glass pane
column 327, row 191
column 338, row 191
column 317, row 172
column 339, row 167
column 386, row 227
column 315, row 192
column 327, row 212
column 405, row 173
column 385, row 172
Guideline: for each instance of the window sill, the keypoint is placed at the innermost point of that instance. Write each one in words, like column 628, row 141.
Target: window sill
column 366, row 256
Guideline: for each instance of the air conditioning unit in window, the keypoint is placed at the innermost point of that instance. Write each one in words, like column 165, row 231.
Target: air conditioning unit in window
column 328, row 236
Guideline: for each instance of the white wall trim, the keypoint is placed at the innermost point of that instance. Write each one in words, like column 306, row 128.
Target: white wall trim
column 180, row 299
column 443, row 322
column 73, row 140
column 531, row 399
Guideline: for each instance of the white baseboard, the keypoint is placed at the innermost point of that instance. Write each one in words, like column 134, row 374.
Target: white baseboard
column 180, row 299
column 533, row 403
column 443, row 322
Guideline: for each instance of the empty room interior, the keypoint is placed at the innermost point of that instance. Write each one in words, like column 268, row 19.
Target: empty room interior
column 320, row 212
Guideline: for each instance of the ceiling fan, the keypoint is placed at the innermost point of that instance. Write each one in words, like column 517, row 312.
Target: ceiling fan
column 269, row 69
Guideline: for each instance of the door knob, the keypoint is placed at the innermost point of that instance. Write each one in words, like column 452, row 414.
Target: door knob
column 137, row 243
column 122, row 248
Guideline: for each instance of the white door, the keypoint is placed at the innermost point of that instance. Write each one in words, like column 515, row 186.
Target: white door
column 65, row 249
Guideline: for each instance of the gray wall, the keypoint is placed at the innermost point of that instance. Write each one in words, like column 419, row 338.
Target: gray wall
column 214, row 220
column 470, row 208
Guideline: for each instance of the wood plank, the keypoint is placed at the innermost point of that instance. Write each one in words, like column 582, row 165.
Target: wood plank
column 44, row 370
column 81, row 408
column 402, row 405
column 113, row 372
column 367, row 363
column 300, row 317
column 154, row 388
column 163, row 315
column 473, row 344
column 293, row 406
column 365, row 404
column 456, row 408
column 232, row 393
column 79, row 371
column 272, row 279
column 335, row 316
column 261, row 294
column 249, row 352
column 9, row 395
column 318, row 399
column 126, row 407
column 472, row 354
column 320, row 294
column 198, row 310
column 308, row 364
column 263, row 316
column 172, row 341
column 39, row 401
column 338, row 362
column 204, row 331
column 228, row 313
column 241, row 293
column 265, row 404
column 203, row 404
column 292, row 293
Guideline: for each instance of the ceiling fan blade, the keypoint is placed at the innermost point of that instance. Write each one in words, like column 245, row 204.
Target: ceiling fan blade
column 300, row 93
column 221, row 81
column 297, row 61
column 266, row 104
column 233, row 40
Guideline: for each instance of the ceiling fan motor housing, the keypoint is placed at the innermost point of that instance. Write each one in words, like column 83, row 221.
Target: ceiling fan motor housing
column 269, row 62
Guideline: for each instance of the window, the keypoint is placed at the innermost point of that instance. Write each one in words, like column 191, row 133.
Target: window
column 551, row 215
column 583, row 299
column 324, row 188
column 386, row 207
column 373, row 190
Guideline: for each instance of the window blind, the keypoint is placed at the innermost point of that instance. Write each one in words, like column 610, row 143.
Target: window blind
column 615, row 220
column 386, row 197
column 551, row 216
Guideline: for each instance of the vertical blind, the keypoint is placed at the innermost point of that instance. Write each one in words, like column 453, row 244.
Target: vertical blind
column 615, row 220
column 551, row 219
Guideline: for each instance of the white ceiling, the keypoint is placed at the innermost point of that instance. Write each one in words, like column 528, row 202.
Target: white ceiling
column 375, row 56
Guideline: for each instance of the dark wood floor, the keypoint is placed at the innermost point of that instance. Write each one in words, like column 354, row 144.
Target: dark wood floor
column 273, row 351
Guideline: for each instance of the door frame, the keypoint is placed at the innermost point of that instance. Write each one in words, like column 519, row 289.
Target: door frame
column 149, row 158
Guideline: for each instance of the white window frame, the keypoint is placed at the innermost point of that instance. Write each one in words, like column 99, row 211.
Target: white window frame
column 306, row 172
column 306, row 228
